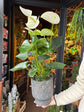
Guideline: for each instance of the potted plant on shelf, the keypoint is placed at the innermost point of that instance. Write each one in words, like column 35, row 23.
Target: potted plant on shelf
column 40, row 49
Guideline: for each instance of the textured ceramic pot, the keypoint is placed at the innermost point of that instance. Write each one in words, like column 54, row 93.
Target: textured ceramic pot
column 42, row 91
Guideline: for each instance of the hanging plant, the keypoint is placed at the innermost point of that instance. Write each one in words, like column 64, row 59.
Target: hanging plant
column 77, row 24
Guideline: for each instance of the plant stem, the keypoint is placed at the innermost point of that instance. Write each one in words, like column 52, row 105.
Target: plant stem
column 39, row 64
column 51, row 35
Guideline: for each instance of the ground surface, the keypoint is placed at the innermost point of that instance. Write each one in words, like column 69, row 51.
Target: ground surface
column 31, row 107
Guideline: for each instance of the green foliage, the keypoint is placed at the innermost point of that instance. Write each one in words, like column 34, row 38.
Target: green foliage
column 47, row 32
column 56, row 42
column 69, row 35
column 58, row 109
column 35, row 32
column 68, row 58
column 77, row 24
column 55, row 31
column 54, row 108
column 72, row 109
column 22, row 56
column 65, row 85
column 75, row 71
column 40, row 49
column 43, row 32
column 54, row 65
column 20, row 66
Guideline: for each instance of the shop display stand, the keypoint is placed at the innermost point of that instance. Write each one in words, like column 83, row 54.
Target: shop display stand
column 18, row 108
column 5, row 62
column 5, row 50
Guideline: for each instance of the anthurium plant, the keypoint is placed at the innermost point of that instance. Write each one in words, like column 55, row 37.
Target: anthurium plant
column 40, row 49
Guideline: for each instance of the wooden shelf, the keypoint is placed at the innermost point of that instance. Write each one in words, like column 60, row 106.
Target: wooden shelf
column 17, row 106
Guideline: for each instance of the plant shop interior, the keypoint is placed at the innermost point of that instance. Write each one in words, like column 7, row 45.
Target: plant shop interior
column 39, row 40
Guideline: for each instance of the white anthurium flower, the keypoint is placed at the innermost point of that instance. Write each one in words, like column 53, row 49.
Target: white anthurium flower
column 26, row 28
column 51, row 17
column 33, row 22
column 26, row 12
column 34, row 17
column 29, row 31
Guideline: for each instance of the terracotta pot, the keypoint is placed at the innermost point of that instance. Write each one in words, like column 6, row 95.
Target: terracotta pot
column 0, row 96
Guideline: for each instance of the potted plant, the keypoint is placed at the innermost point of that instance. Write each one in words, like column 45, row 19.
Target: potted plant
column 40, row 49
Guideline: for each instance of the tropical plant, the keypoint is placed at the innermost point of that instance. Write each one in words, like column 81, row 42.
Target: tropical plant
column 40, row 49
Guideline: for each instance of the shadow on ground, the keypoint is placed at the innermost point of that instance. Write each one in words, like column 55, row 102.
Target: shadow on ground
column 31, row 107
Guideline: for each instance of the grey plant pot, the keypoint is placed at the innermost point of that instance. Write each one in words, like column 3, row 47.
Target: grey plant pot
column 42, row 91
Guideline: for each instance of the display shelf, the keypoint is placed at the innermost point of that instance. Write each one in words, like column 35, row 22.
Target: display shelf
column 5, row 64
column 5, row 52
column 22, row 85
column 4, row 75
column 19, row 107
column 5, row 49
column 5, row 39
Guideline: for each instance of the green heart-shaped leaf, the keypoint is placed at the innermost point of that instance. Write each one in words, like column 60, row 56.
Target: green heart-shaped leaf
column 20, row 66
column 54, row 65
column 56, row 42
column 25, row 46
column 43, row 57
column 22, row 56
column 47, row 32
